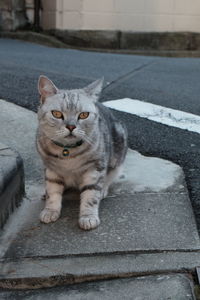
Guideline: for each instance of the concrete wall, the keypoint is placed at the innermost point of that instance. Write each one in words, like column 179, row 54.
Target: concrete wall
column 12, row 14
column 29, row 5
column 125, row 15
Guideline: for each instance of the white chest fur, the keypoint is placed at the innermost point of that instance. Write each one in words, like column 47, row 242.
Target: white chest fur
column 70, row 169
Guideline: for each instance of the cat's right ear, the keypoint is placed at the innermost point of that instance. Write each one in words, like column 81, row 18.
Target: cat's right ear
column 46, row 88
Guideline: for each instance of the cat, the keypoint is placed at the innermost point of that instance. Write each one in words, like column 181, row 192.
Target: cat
column 82, row 145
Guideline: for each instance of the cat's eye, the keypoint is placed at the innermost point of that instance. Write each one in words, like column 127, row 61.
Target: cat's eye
column 83, row 115
column 57, row 114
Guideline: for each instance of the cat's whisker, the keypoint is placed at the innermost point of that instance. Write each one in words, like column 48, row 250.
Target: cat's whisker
column 59, row 134
column 85, row 137
column 88, row 140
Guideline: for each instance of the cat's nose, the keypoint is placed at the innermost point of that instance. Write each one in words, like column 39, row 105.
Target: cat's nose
column 71, row 127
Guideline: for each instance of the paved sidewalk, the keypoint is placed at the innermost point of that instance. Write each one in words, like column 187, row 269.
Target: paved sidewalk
column 147, row 228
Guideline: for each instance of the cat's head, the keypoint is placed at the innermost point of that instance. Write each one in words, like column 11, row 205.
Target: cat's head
column 68, row 116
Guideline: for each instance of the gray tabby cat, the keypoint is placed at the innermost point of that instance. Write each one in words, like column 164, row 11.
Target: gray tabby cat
column 82, row 146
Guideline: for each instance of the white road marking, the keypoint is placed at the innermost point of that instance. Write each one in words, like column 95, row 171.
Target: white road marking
column 157, row 113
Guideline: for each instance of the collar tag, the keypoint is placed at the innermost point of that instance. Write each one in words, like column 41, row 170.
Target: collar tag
column 65, row 151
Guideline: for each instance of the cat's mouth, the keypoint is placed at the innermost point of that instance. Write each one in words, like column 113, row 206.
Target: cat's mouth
column 70, row 136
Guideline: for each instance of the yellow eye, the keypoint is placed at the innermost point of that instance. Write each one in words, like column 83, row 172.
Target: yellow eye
column 83, row 115
column 57, row 114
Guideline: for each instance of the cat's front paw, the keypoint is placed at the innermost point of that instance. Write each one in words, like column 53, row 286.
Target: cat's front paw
column 89, row 222
column 47, row 215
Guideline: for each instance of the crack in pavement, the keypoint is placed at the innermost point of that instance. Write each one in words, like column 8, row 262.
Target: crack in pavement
column 127, row 76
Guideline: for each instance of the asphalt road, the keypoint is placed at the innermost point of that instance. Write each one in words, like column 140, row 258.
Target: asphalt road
column 171, row 82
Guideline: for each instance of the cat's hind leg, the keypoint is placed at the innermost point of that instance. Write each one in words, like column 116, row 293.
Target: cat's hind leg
column 110, row 178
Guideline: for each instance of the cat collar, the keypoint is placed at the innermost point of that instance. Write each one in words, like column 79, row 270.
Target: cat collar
column 66, row 147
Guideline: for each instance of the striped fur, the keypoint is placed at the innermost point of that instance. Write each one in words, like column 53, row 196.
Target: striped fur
column 90, row 167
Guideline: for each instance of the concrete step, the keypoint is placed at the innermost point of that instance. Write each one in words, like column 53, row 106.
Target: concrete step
column 36, row 272
column 160, row 287
column 18, row 130
column 11, row 182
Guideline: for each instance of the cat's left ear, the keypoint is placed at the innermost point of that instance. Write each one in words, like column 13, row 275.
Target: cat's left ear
column 94, row 89
column 46, row 87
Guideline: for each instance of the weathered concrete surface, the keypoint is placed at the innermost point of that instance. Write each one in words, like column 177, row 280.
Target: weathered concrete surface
column 160, row 41
column 34, row 273
column 164, row 287
column 89, row 38
column 157, row 218
column 145, row 222
column 18, row 130
column 145, row 48
column 34, row 37
column 12, row 14
column 149, row 174
column 129, row 40
column 11, row 182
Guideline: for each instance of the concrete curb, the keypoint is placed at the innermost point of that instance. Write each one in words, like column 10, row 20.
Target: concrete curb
column 180, row 44
column 11, row 182
column 129, row 40
column 165, row 286
column 36, row 273
column 34, row 37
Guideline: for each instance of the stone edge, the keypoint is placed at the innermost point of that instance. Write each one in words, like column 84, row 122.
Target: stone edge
column 180, row 281
column 177, row 44
column 106, row 39
column 12, row 188
column 35, row 273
